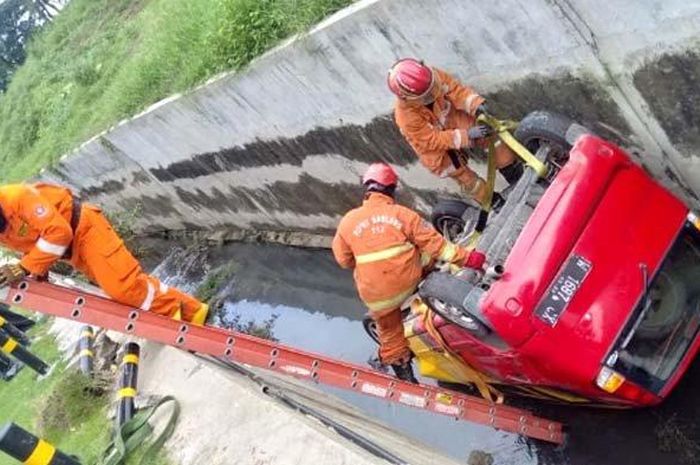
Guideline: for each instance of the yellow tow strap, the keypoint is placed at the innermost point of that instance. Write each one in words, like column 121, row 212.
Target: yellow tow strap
column 471, row 241
column 503, row 129
column 479, row 380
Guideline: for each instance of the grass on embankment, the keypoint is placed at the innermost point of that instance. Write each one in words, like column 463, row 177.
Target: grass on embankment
column 105, row 60
column 58, row 407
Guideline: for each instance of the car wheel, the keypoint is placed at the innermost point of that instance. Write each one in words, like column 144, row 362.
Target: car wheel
column 370, row 327
column 449, row 217
column 558, row 132
column 445, row 294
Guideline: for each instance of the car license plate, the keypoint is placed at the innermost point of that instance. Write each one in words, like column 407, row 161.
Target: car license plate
column 565, row 286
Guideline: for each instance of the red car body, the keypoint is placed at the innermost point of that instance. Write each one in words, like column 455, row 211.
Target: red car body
column 607, row 216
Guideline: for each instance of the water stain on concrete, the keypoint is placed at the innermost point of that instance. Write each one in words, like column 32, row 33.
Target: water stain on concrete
column 309, row 196
column 108, row 187
column 378, row 140
column 581, row 98
column 669, row 84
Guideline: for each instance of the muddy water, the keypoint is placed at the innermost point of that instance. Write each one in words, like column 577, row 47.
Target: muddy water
column 316, row 309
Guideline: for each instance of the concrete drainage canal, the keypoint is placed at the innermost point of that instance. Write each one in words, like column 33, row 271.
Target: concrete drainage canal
column 301, row 298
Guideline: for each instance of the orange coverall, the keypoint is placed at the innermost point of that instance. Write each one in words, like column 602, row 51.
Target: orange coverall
column 385, row 243
column 435, row 130
column 38, row 223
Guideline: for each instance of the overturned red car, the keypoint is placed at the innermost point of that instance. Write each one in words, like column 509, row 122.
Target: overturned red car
column 597, row 299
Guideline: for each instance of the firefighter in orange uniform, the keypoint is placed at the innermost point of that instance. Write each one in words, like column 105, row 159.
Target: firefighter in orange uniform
column 437, row 116
column 47, row 223
column 385, row 244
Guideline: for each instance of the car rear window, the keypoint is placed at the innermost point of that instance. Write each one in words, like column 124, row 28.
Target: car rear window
column 666, row 320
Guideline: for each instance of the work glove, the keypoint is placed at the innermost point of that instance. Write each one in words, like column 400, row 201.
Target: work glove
column 11, row 273
column 475, row 260
column 479, row 132
column 482, row 109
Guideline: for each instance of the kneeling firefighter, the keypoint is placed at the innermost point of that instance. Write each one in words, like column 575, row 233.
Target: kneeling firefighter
column 388, row 245
column 437, row 115
column 47, row 223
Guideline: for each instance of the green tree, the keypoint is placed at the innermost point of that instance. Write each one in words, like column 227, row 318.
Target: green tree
column 18, row 20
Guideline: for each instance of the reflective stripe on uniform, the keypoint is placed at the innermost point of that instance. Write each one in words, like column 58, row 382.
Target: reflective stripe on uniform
column 457, row 138
column 86, row 353
column 448, row 252
column 391, row 302
column 162, row 288
column 131, row 358
column 50, row 248
column 425, row 259
column 383, row 254
column 148, row 301
column 9, row 346
column 42, row 455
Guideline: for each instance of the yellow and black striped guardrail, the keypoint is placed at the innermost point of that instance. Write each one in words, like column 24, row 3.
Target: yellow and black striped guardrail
column 127, row 383
column 29, row 449
column 11, row 346
column 13, row 331
column 86, row 355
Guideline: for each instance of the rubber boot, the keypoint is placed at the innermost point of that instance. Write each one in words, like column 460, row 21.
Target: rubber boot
column 404, row 371
column 512, row 172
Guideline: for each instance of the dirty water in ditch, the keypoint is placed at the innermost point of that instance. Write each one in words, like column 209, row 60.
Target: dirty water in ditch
column 317, row 309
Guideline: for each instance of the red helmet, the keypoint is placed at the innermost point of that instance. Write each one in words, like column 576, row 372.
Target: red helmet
column 380, row 173
column 410, row 78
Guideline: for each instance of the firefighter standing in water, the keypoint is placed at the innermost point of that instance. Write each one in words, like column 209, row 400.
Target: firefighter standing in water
column 437, row 116
column 385, row 244
column 47, row 223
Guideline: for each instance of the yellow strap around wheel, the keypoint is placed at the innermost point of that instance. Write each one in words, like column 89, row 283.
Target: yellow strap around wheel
column 490, row 178
column 503, row 128
column 480, row 380
column 42, row 455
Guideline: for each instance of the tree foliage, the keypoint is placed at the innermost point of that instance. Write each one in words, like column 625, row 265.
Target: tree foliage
column 18, row 20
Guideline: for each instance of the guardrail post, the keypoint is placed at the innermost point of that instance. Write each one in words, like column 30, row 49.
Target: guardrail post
column 127, row 384
column 13, row 331
column 10, row 346
column 29, row 449
column 5, row 364
column 85, row 353
column 19, row 321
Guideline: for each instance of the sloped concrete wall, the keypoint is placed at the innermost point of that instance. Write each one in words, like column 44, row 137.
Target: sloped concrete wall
column 280, row 145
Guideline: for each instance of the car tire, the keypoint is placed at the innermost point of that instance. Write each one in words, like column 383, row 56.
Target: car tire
column 370, row 327
column 451, row 215
column 444, row 294
column 557, row 131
